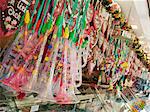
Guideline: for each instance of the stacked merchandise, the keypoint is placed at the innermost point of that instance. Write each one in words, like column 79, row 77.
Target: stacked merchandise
column 60, row 45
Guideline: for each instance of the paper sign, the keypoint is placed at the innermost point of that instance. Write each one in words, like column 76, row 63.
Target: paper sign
column 11, row 16
column 34, row 108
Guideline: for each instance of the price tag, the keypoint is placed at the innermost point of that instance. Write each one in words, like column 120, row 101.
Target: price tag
column 34, row 108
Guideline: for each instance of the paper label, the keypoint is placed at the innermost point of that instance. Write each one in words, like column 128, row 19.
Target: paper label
column 34, row 108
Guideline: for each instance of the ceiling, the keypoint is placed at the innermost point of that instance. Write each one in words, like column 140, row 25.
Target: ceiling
column 136, row 11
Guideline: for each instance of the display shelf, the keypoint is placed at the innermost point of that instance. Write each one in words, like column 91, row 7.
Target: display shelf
column 85, row 99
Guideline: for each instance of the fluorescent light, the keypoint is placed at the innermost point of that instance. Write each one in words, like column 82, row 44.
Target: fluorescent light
column 141, row 42
column 135, row 27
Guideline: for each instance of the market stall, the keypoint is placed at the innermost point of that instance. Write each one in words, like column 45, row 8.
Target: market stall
column 79, row 53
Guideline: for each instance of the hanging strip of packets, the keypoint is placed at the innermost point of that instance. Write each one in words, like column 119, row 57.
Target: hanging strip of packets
column 141, row 54
column 108, row 52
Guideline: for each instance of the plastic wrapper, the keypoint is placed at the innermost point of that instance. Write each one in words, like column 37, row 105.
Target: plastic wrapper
column 23, row 66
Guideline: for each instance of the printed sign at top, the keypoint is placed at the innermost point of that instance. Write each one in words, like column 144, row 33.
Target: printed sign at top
column 12, row 15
